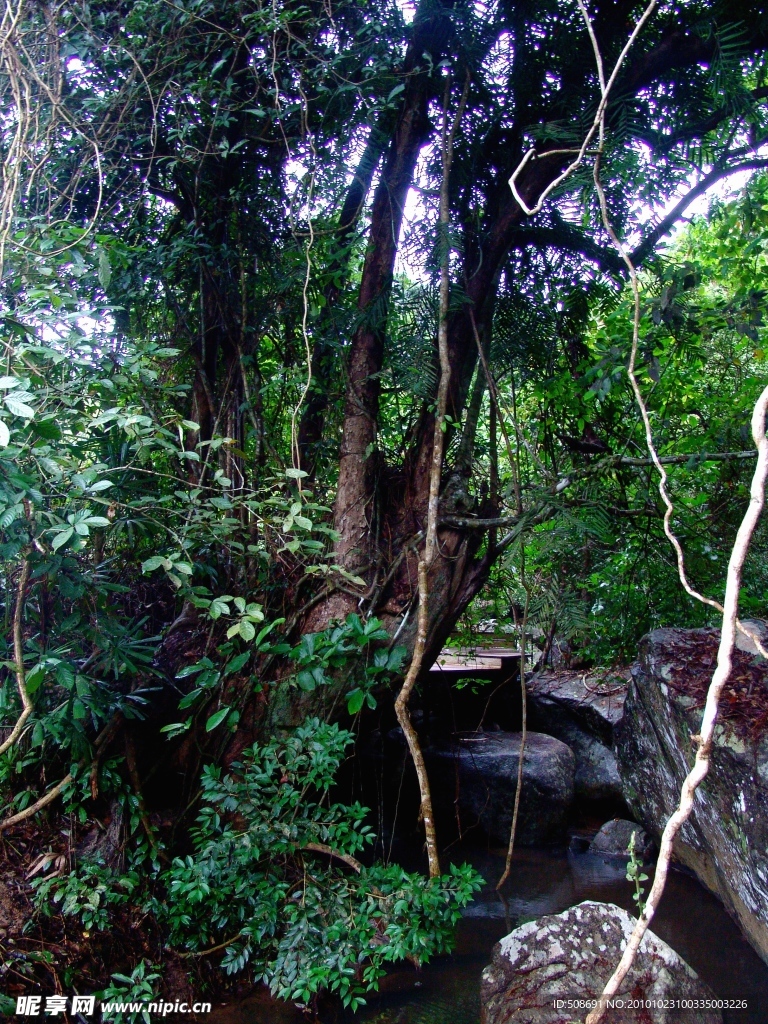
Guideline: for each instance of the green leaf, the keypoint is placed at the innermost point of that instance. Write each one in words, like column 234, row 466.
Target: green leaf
column 16, row 404
column 218, row 608
column 191, row 670
column 295, row 474
column 247, row 630
column 5, row 434
column 153, row 563
column 216, row 719
column 105, row 270
column 355, row 700
column 176, row 728
column 34, row 678
column 306, row 681
column 61, row 538
column 237, row 663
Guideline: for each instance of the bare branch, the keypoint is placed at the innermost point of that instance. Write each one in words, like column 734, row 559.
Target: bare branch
column 18, row 657
column 100, row 745
column 668, row 222
column 435, row 476
column 329, row 851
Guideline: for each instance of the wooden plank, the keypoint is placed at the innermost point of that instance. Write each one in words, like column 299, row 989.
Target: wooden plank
column 467, row 665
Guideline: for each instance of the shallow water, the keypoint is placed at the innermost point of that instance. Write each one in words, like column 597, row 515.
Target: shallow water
column 546, row 881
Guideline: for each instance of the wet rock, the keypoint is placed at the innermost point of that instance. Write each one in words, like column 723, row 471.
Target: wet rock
column 725, row 841
column 570, row 956
column 758, row 628
column 583, row 710
column 479, row 773
column 613, row 840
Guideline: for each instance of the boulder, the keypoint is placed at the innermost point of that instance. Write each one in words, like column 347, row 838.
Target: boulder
column 725, row 841
column 613, row 840
column 479, row 773
column 541, row 966
column 583, row 710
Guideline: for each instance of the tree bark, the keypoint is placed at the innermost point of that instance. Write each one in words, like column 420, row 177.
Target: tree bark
column 354, row 500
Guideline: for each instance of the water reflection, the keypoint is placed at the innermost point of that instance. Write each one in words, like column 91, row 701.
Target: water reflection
column 544, row 881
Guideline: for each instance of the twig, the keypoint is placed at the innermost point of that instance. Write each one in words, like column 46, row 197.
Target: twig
column 100, row 745
column 18, row 657
column 523, row 738
column 210, row 950
column 435, row 476
column 347, row 858
column 133, row 771
column 404, row 718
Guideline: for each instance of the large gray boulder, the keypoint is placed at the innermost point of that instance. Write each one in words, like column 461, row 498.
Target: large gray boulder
column 725, row 841
column 478, row 776
column 544, row 971
column 614, row 838
column 583, row 710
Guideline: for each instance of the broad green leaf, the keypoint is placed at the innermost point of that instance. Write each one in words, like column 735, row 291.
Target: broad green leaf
column 14, row 400
column 216, row 719
column 247, row 630
column 355, row 700
column 61, row 538
column 218, row 608
column 34, row 678
column 105, row 270
column 237, row 663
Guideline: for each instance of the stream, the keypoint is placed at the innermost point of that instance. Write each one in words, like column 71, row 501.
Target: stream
column 543, row 881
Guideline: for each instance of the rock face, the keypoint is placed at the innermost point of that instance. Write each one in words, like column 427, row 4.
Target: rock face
column 613, row 840
column 583, row 711
column 725, row 841
column 480, row 771
column 570, row 956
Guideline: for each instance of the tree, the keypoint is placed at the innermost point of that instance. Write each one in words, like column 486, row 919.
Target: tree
column 257, row 352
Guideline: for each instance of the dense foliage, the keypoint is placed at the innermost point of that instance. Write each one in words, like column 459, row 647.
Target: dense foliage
column 247, row 886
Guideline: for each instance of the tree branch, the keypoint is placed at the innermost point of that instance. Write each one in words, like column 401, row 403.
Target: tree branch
column 329, row 851
column 18, row 657
column 100, row 745
column 666, row 223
